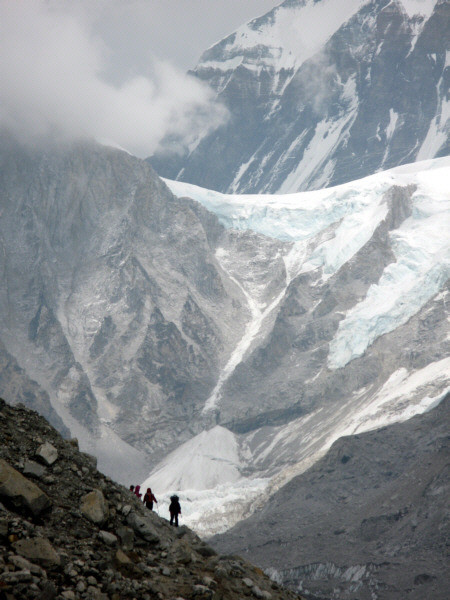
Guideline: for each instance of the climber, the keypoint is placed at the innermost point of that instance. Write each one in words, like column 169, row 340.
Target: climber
column 132, row 489
column 149, row 498
column 175, row 510
column 137, row 491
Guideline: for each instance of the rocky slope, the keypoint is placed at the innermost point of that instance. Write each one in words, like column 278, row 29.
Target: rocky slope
column 320, row 94
column 68, row 532
column 15, row 384
column 370, row 520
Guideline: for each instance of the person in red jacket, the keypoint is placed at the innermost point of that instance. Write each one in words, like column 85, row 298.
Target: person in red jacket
column 149, row 498
column 137, row 491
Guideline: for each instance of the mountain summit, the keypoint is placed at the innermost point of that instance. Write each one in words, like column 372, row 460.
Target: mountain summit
column 320, row 93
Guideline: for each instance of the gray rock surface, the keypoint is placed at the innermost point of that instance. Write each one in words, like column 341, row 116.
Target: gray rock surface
column 34, row 469
column 108, row 537
column 37, row 550
column 48, row 453
column 142, row 525
column 94, row 507
column 17, row 386
column 370, row 520
column 127, row 315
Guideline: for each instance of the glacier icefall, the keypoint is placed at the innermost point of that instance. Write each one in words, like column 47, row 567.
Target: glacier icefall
column 421, row 244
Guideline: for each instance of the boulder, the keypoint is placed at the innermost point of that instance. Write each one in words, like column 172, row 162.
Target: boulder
column 202, row 592
column 23, row 564
column 94, row 507
column 17, row 577
column 34, row 469
column 18, row 488
column 181, row 552
column 209, row 582
column 205, row 550
column 123, row 564
column 48, row 453
column 109, row 538
column 37, row 550
column 142, row 526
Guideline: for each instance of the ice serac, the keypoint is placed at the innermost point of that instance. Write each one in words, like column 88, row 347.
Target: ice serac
column 321, row 93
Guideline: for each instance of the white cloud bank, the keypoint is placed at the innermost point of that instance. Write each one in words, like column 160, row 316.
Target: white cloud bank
column 52, row 72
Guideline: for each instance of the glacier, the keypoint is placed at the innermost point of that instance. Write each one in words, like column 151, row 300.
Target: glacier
column 223, row 476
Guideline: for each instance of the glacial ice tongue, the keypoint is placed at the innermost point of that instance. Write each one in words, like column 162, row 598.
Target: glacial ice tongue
column 328, row 227
column 205, row 473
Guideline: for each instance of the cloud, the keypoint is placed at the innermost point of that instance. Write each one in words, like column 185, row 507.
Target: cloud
column 52, row 69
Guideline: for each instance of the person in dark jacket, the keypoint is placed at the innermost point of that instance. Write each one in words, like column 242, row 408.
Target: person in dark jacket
column 149, row 498
column 175, row 510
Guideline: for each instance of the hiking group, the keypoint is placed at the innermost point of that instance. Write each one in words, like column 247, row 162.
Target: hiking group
column 149, row 499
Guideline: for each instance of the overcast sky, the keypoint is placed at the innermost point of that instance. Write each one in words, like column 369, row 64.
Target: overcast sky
column 114, row 70
column 178, row 30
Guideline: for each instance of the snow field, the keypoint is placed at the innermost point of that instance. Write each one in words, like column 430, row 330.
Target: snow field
column 205, row 473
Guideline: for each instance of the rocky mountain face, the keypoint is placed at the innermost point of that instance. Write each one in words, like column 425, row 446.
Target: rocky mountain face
column 16, row 385
column 113, row 301
column 370, row 520
column 69, row 532
column 321, row 94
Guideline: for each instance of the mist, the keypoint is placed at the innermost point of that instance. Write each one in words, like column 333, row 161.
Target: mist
column 54, row 72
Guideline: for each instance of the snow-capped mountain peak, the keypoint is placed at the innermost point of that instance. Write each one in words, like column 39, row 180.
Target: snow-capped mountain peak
column 284, row 38
column 320, row 93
